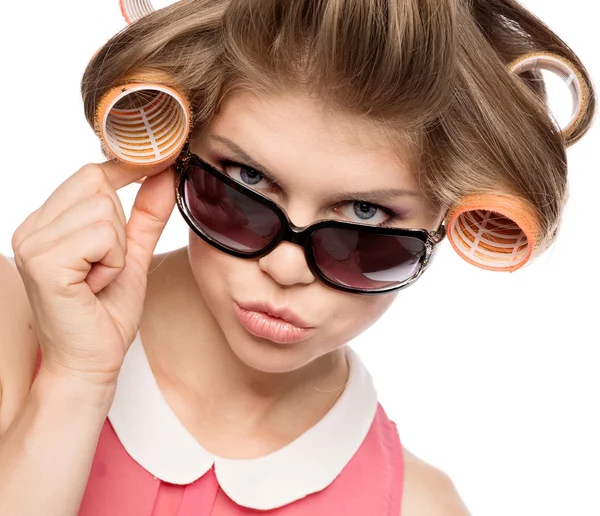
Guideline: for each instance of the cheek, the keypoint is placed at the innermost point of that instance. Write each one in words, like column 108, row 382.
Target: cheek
column 342, row 316
column 208, row 264
column 220, row 276
column 355, row 314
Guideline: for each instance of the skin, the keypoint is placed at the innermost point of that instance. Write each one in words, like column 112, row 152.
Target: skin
column 242, row 396
column 308, row 158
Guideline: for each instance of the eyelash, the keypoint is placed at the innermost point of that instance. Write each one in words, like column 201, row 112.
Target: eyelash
column 388, row 223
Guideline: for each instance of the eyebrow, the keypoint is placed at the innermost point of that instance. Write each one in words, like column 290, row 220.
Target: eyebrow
column 377, row 194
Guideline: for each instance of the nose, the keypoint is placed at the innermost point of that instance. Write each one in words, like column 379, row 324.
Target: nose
column 286, row 264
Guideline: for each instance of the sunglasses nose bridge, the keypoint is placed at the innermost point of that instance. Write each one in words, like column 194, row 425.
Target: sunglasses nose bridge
column 296, row 235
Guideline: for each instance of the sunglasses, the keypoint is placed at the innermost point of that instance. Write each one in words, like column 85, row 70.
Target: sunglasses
column 347, row 256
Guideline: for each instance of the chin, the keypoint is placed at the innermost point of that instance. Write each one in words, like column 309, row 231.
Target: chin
column 266, row 356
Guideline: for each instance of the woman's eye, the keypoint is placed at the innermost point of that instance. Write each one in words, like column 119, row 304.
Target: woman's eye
column 359, row 211
column 247, row 176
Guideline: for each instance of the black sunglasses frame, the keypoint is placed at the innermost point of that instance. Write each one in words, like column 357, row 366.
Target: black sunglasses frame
column 298, row 235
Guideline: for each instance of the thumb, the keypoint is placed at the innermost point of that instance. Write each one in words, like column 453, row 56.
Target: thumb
column 151, row 211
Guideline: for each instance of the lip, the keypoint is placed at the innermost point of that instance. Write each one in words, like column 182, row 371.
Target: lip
column 280, row 313
column 275, row 328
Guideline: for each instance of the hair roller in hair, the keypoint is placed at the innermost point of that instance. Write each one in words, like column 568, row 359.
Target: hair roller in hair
column 133, row 10
column 499, row 231
column 570, row 75
column 494, row 231
column 144, row 122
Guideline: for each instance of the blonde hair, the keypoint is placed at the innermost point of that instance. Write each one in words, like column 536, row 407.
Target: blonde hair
column 433, row 73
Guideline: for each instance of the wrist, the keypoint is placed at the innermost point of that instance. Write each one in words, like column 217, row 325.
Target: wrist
column 73, row 390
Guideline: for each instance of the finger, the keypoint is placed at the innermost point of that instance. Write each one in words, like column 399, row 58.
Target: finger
column 151, row 210
column 199, row 185
column 86, row 213
column 200, row 211
column 234, row 215
column 121, row 174
column 206, row 188
column 222, row 189
column 72, row 258
column 218, row 216
column 86, row 182
column 214, row 188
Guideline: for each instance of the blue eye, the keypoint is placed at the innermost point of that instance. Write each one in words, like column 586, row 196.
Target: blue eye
column 364, row 210
column 245, row 175
column 250, row 176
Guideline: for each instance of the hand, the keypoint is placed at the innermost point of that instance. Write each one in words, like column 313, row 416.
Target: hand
column 84, row 267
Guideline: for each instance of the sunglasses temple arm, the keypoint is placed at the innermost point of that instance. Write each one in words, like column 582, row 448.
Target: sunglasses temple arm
column 438, row 235
column 183, row 159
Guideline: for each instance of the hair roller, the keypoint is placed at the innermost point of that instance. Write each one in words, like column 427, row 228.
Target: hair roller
column 144, row 122
column 494, row 231
column 570, row 75
column 133, row 10
column 501, row 232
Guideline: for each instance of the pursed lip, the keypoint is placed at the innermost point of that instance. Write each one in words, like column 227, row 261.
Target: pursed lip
column 282, row 313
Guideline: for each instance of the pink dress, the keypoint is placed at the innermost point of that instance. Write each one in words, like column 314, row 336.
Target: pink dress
column 147, row 464
column 350, row 463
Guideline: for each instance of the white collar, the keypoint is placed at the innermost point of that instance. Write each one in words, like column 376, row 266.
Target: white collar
column 153, row 436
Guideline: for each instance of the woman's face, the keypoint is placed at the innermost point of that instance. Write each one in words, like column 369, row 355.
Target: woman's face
column 312, row 156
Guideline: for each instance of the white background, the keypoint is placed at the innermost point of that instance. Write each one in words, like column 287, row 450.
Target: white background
column 492, row 377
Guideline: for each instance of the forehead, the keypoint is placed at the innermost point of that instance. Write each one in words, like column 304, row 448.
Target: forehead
column 288, row 131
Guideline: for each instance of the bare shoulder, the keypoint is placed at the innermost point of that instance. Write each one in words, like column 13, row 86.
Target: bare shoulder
column 165, row 269
column 428, row 491
column 18, row 343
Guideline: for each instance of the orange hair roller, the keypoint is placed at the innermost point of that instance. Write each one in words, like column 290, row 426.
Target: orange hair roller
column 494, row 231
column 143, row 122
column 500, row 232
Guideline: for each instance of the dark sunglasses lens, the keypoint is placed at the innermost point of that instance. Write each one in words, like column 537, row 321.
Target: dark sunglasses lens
column 364, row 260
column 232, row 218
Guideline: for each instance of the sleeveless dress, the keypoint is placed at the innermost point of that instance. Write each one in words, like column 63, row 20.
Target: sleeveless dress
column 350, row 463
column 146, row 463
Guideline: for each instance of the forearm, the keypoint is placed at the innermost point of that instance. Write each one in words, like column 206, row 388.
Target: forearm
column 47, row 452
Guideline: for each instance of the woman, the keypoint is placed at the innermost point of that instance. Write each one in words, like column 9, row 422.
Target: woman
column 237, row 392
